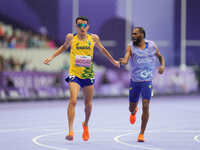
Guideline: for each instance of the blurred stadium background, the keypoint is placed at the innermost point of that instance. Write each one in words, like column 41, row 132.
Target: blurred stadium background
column 31, row 30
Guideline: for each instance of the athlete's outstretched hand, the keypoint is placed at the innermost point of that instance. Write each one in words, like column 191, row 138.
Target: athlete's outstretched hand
column 161, row 69
column 116, row 63
column 46, row 61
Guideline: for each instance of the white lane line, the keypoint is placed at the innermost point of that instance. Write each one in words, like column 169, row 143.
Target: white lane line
column 117, row 138
column 23, row 129
column 12, row 130
column 54, row 130
column 148, row 147
column 35, row 140
column 196, row 138
column 180, row 131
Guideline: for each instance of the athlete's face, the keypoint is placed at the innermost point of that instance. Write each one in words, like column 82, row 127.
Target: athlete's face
column 82, row 27
column 136, row 37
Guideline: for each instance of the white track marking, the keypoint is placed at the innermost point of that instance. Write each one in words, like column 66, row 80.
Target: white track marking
column 117, row 138
column 35, row 140
column 196, row 138
column 12, row 130
column 23, row 129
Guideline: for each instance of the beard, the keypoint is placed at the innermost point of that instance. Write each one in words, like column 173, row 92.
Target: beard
column 137, row 41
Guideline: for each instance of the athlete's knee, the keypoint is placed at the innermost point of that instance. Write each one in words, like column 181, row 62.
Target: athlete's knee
column 72, row 101
column 88, row 104
column 145, row 106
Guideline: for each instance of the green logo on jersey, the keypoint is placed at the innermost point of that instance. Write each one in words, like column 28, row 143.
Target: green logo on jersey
column 88, row 72
column 82, row 47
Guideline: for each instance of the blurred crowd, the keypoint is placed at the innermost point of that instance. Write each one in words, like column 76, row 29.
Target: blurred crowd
column 18, row 38
column 12, row 64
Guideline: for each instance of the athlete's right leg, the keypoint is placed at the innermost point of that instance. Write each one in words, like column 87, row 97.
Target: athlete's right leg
column 145, row 114
column 74, row 90
column 146, row 96
column 134, row 94
column 133, row 107
column 88, row 95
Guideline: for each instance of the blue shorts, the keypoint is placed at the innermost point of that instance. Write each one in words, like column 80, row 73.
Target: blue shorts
column 140, row 88
column 81, row 82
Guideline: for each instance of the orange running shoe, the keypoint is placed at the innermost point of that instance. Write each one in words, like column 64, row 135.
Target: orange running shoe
column 133, row 116
column 86, row 134
column 140, row 138
column 70, row 136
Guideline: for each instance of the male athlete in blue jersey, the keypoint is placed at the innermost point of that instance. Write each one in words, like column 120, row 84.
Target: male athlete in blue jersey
column 143, row 54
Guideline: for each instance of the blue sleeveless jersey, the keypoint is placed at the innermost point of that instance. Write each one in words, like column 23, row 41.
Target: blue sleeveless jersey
column 143, row 62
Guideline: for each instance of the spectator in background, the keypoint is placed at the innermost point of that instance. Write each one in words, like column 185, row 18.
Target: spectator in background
column 1, row 34
column 2, row 64
column 1, row 30
column 43, row 41
column 9, row 85
column 29, row 41
column 51, row 44
column 36, row 41
column 12, row 40
column 1, row 70
column 57, row 81
column 105, row 84
column 5, row 39
column 23, row 65
column 11, row 64
column 104, row 79
column 21, row 39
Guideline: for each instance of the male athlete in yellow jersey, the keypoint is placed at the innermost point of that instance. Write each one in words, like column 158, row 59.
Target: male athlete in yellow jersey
column 81, row 73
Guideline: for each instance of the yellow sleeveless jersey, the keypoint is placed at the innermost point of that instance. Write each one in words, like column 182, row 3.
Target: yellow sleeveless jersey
column 81, row 57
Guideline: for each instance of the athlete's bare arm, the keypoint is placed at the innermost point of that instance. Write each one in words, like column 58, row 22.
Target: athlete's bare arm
column 161, row 60
column 63, row 47
column 124, row 60
column 104, row 51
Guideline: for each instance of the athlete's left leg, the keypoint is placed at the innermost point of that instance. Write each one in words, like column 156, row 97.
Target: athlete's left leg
column 88, row 95
column 134, row 95
column 146, row 96
column 74, row 90
column 145, row 114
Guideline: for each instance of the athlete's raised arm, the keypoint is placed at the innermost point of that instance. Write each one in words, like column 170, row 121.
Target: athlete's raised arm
column 63, row 47
column 124, row 60
column 104, row 51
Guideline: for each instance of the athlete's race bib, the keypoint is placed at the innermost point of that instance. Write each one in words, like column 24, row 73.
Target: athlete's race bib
column 146, row 74
column 83, row 61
